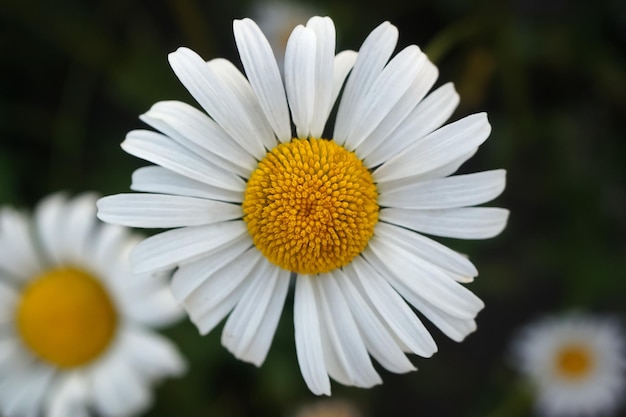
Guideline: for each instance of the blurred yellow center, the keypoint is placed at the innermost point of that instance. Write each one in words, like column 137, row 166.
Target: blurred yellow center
column 310, row 206
column 574, row 362
column 66, row 317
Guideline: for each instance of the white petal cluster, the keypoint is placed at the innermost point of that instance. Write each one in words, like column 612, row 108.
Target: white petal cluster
column 386, row 115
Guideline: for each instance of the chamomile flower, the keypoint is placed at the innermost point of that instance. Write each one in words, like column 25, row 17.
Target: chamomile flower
column 253, row 204
column 75, row 324
column 277, row 18
column 328, row 408
column 576, row 363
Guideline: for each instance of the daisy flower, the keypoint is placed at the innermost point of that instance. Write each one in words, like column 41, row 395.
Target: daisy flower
column 254, row 204
column 74, row 322
column 576, row 363
column 328, row 408
column 277, row 18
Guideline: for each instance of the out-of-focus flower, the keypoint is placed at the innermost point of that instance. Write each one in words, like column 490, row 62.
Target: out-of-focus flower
column 277, row 18
column 576, row 363
column 254, row 204
column 74, row 322
column 328, row 408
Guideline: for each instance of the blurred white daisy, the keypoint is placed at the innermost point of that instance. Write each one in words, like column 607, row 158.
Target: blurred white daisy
column 328, row 408
column 253, row 204
column 277, row 18
column 576, row 363
column 74, row 322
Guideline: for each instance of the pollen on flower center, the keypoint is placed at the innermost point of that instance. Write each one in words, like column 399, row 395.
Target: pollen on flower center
column 66, row 317
column 310, row 206
column 574, row 362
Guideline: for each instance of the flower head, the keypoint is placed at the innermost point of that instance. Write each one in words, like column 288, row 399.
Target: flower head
column 74, row 322
column 328, row 408
column 254, row 203
column 576, row 363
column 277, row 18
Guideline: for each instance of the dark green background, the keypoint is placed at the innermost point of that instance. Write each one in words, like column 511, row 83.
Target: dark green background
column 551, row 75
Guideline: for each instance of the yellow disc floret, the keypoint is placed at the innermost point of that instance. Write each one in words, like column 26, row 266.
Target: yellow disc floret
column 66, row 317
column 573, row 362
column 310, row 206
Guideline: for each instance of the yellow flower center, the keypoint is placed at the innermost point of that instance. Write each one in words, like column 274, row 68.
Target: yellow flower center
column 66, row 317
column 310, row 206
column 573, row 362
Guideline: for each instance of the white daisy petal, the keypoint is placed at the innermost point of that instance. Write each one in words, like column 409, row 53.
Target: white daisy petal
column 460, row 223
column 373, row 55
column 47, row 217
column 264, row 76
column 13, row 358
column 151, row 305
column 169, row 248
column 156, row 179
column 23, row 394
column 208, row 315
column 427, row 116
column 157, row 308
column 18, row 256
column 8, row 296
column 7, row 333
column 223, row 105
column 332, row 362
column 455, row 328
column 261, row 342
column 152, row 355
column 307, row 334
column 324, row 65
column 342, row 65
column 427, row 249
column 160, row 211
column 439, row 172
column 458, row 191
column 117, row 390
column 250, row 328
column 424, row 279
column 405, row 105
column 211, row 318
column 69, row 397
column 342, row 333
column 181, row 139
column 106, row 244
column 190, row 276
column 160, row 150
column 395, row 312
column 218, row 289
column 300, row 77
column 437, row 149
column 196, row 131
column 385, row 93
column 378, row 338
column 236, row 82
column 77, row 223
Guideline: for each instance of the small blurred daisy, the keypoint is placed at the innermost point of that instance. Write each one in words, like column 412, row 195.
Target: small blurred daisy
column 254, row 204
column 577, row 364
column 328, row 408
column 277, row 18
column 74, row 322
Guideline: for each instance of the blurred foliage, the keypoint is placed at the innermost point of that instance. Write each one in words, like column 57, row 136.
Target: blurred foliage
column 550, row 73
